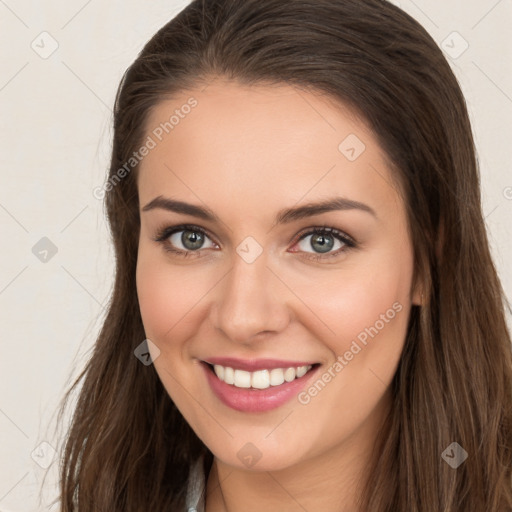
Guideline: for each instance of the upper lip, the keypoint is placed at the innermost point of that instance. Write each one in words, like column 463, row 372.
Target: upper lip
column 252, row 365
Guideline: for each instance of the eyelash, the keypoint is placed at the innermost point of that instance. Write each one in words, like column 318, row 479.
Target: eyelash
column 165, row 232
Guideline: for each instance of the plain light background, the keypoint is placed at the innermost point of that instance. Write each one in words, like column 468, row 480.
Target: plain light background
column 55, row 140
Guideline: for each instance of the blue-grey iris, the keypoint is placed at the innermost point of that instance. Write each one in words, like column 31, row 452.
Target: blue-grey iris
column 324, row 243
column 192, row 239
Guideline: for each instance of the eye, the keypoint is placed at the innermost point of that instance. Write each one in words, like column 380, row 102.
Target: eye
column 184, row 240
column 323, row 240
column 189, row 241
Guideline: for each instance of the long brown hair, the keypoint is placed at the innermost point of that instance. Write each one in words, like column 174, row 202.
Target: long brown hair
column 129, row 448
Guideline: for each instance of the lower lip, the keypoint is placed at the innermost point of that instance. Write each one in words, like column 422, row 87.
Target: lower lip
column 256, row 400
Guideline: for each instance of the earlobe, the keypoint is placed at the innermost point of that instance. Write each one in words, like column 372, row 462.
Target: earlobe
column 417, row 297
column 418, row 287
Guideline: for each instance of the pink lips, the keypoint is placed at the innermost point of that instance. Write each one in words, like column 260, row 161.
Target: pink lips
column 256, row 400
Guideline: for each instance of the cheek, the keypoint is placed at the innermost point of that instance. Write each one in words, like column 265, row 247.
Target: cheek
column 168, row 298
column 368, row 310
column 364, row 296
column 168, row 302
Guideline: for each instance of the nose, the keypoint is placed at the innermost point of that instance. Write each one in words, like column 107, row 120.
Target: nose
column 250, row 301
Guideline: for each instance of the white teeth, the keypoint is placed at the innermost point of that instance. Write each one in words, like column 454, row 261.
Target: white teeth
column 219, row 371
column 290, row 374
column 276, row 377
column 261, row 379
column 302, row 370
column 242, row 379
column 229, row 375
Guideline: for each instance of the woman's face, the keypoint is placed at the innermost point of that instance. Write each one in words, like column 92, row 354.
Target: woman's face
column 253, row 287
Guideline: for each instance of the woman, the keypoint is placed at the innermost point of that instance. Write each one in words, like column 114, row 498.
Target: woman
column 305, row 315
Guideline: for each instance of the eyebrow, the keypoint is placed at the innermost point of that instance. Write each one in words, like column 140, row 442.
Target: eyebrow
column 284, row 216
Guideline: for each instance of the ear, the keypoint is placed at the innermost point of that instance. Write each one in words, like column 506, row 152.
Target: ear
column 418, row 285
column 417, row 294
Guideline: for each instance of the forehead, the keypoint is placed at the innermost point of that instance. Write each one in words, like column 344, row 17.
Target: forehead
column 228, row 142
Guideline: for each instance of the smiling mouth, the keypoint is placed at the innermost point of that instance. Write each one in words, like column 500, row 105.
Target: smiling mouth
column 260, row 379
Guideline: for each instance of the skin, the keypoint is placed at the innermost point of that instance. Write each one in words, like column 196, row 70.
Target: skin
column 274, row 147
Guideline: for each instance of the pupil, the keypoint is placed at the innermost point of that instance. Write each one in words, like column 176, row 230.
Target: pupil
column 324, row 243
column 192, row 239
